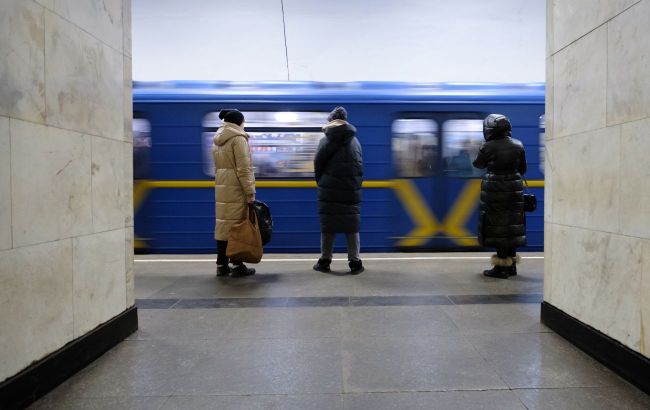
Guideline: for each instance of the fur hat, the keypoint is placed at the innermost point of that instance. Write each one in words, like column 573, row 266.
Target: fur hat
column 232, row 115
column 338, row 113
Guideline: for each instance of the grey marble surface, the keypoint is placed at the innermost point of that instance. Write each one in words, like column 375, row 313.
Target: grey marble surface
column 345, row 356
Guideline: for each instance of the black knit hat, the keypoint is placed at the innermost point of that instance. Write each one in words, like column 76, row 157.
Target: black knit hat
column 232, row 115
column 338, row 113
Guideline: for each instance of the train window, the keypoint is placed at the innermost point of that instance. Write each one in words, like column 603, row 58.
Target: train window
column 415, row 147
column 462, row 140
column 542, row 149
column 273, row 119
column 283, row 144
column 141, row 148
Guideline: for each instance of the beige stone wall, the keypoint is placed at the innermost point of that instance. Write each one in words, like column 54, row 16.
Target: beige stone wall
column 66, row 215
column 597, row 217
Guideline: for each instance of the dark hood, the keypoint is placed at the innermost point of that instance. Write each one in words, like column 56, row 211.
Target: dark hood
column 496, row 134
column 339, row 132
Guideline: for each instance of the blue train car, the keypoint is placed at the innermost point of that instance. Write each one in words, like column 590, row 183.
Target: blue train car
column 420, row 190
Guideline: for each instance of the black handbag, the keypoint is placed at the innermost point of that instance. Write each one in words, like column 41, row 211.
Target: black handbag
column 530, row 200
column 264, row 220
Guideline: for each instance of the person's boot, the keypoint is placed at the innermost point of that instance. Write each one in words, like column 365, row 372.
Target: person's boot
column 356, row 267
column 323, row 265
column 499, row 272
column 223, row 270
column 240, row 271
column 502, row 268
column 515, row 260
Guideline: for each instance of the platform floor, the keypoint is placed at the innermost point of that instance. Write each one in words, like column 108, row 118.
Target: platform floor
column 415, row 331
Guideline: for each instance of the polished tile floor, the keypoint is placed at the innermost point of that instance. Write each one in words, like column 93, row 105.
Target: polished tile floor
column 415, row 331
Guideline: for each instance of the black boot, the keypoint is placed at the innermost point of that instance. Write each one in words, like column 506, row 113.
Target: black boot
column 240, row 271
column 500, row 272
column 356, row 267
column 515, row 260
column 323, row 265
column 223, row 270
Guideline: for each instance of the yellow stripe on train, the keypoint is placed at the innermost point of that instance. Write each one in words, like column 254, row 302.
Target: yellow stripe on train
column 426, row 225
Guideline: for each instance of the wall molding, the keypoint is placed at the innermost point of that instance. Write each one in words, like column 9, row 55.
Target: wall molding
column 629, row 364
column 29, row 385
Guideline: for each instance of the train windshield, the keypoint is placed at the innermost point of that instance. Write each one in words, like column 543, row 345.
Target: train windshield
column 283, row 143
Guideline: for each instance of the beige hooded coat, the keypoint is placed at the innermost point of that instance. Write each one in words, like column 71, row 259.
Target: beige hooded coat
column 233, row 176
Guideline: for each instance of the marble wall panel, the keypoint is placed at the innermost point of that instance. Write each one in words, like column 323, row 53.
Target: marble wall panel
column 35, row 303
column 550, row 95
column 548, row 262
column 84, row 81
column 580, row 79
column 573, row 19
column 550, row 32
column 130, row 285
column 22, row 66
column 46, row 3
column 585, row 180
column 597, row 279
column 645, row 299
column 628, row 65
column 127, row 187
column 549, row 178
column 5, row 184
column 99, row 279
column 101, row 18
column 126, row 25
column 635, row 179
column 128, row 100
column 51, row 183
column 111, row 190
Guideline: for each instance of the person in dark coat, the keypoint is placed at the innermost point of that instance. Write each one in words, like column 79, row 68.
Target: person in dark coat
column 338, row 166
column 502, row 222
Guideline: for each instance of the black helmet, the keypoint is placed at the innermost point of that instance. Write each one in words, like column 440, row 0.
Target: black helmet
column 496, row 125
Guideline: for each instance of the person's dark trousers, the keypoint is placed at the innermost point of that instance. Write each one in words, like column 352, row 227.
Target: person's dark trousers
column 504, row 253
column 222, row 259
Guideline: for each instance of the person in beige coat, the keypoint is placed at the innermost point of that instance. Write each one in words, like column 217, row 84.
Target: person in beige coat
column 234, row 186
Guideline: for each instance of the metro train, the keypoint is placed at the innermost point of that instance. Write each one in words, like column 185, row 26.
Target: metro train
column 420, row 190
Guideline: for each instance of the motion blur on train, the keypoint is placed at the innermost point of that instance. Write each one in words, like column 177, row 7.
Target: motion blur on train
column 419, row 140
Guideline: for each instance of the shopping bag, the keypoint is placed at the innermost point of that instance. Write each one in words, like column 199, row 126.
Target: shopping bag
column 245, row 241
column 264, row 220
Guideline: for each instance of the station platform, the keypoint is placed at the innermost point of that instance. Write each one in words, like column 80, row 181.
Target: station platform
column 414, row 331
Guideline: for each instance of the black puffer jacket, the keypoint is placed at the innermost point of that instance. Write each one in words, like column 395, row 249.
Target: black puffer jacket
column 502, row 223
column 339, row 173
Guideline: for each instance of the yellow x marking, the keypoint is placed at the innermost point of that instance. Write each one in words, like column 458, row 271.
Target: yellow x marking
column 425, row 222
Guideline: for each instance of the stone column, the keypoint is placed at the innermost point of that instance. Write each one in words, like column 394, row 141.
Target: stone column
column 597, row 222
column 66, row 215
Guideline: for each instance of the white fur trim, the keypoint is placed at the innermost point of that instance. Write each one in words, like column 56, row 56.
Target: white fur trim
column 505, row 262
column 516, row 259
column 334, row 123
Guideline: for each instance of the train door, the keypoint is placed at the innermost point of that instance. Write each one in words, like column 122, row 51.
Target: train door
column 421, row 188
column 461, row 138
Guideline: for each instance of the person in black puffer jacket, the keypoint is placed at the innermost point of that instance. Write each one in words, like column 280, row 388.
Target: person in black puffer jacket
column 502, row 222
column 338, row 168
